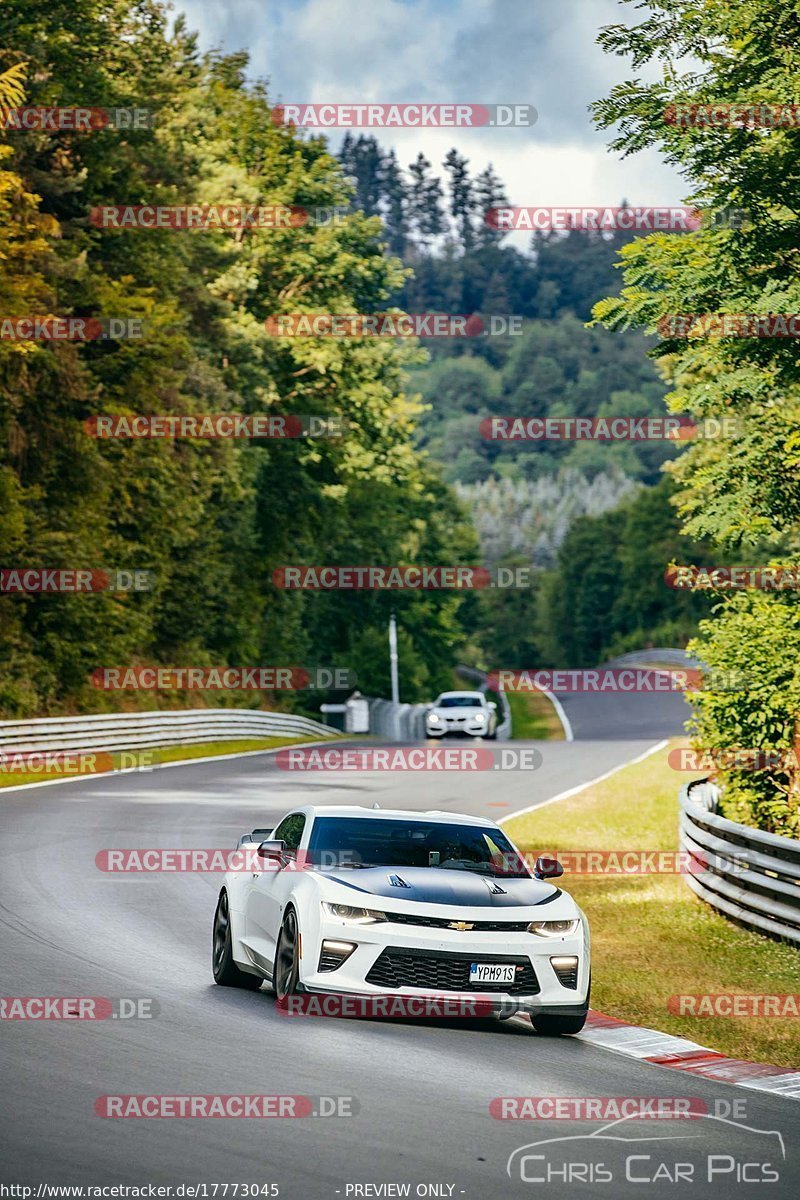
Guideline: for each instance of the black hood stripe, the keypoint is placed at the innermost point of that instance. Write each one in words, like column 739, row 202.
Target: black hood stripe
column 439, row 892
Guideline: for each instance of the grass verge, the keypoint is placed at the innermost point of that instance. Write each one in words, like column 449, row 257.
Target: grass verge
column 534, row 718
column 651, row 937
column 145, row 758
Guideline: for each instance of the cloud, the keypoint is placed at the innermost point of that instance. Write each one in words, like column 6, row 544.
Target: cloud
column 484, row 51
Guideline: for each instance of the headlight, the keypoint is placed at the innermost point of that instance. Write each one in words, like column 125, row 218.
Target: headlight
column 479, row 717
column 553, row 928
column 346, row 912
column 434, row 719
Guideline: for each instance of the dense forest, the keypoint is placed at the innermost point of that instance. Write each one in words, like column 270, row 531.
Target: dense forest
column 590, row 516
column 211, row 519
column 554, row 367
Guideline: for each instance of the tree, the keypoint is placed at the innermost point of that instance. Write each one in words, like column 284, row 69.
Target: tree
column 425, row 203
column 489, row 193
column 394, row 204
column 462, row 198
column 743, row 490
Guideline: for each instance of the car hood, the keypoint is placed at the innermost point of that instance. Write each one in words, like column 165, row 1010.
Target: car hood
column 432, row 885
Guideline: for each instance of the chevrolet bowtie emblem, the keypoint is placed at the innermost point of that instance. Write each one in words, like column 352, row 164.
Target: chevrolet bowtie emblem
column 460, row 925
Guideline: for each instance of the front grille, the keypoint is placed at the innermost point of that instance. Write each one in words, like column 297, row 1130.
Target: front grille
column 446, row 922
column 447, row 972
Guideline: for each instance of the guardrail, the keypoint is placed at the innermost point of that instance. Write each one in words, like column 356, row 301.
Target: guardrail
column 667, row 656
column 143, row 730
column 746, row 874
column 406, row 722
column 397, row 722
column 129, row 731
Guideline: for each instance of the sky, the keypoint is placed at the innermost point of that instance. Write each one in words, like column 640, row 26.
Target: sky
column 481, row 51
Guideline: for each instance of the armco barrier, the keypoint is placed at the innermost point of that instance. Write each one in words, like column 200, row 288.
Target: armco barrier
column 129, row 731
column 397, row 722
column 406, row 722
column 744, row 873
column 143, row 730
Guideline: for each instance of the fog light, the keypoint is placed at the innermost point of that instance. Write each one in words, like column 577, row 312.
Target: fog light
column 566, row 968
column 334, row 953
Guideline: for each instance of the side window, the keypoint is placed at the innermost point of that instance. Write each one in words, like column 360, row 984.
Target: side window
column 290, row 831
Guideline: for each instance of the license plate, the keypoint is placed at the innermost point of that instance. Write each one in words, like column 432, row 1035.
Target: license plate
column 492, row 972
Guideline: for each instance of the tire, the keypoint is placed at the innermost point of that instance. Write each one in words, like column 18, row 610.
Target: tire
column 551, row 1025
column 286, row 969
column 555, row 1025
column 226, row 972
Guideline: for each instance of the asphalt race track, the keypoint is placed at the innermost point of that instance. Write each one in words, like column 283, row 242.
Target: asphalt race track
column 421, row 1089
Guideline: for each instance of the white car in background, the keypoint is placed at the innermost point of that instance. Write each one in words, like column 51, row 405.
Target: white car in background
column 367, row 902
column 454, row 713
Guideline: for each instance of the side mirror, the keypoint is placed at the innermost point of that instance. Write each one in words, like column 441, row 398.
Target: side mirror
column 491, row 704
column 272, row 851
column 547, row 868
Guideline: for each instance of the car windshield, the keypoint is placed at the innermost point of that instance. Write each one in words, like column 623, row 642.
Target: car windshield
column 459, row 702
column 375, row 842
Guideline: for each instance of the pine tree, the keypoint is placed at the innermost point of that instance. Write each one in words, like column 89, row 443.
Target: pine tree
column 462, row 200
column 394, row 204
column 489, row 193
column 426, row 197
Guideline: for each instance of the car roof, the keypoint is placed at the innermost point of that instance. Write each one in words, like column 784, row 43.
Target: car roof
column 442, row 695
column 402, row 814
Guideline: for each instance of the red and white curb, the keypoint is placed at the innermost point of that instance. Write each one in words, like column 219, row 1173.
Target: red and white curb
column 666, row 1050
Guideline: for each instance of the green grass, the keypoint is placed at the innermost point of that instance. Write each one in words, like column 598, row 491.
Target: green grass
column 533, row 717
column 161, row 754
column 651, row 937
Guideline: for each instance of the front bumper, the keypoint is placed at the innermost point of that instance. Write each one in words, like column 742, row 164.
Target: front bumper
column 457, row 729
column 547, row 993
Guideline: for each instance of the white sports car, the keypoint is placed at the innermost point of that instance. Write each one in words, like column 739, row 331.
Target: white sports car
column 371, row 902
column 461, row 713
